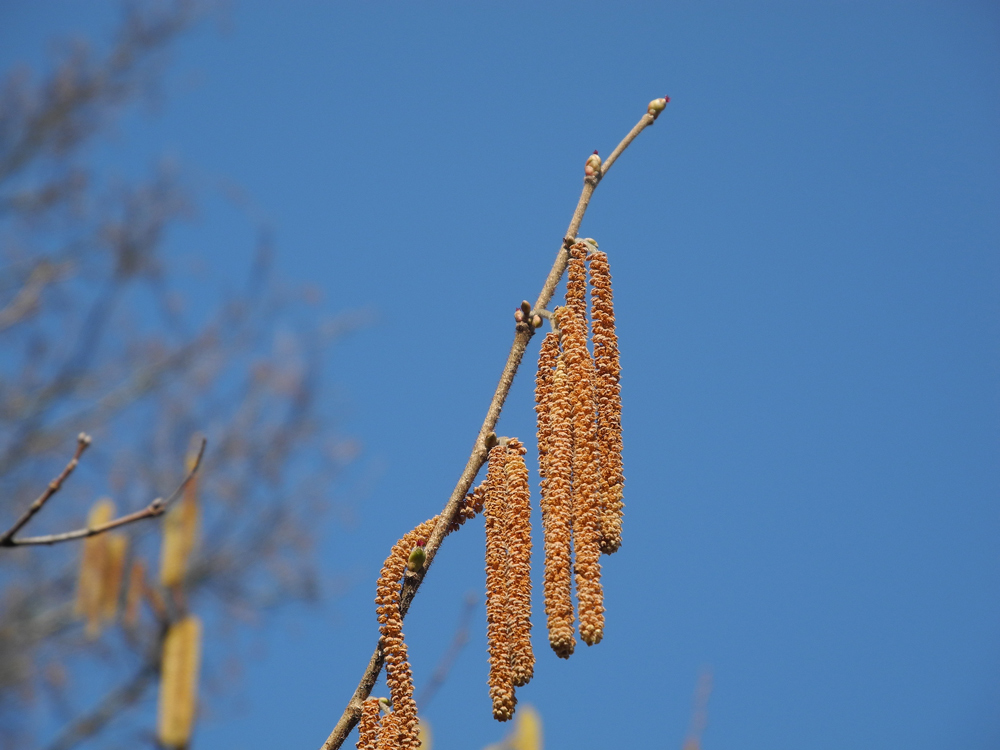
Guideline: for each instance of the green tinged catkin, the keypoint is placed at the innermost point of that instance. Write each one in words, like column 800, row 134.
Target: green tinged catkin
column 498, row 630
column 519, row 548
column 607, row 384
column 402, row 731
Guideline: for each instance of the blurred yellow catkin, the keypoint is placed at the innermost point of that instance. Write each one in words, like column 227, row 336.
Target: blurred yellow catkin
column 527, row 732
column 115, row 550
column 93, row 558
column 180, row 530
column 134, row 593
column 425, row 735
column 179, row 682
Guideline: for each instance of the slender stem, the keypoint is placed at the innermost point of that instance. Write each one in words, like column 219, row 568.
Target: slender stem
column 82, row 443
column 156, row 508
column 479, row 450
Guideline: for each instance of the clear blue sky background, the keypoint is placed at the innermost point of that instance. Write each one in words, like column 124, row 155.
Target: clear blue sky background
column 806, row 251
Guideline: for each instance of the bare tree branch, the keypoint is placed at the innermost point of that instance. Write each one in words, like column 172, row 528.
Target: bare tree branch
column 82, row 442
column 156, row 508
column 480, row 450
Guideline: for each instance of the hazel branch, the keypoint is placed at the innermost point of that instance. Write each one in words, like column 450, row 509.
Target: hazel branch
column 156, row 508
column 82, row 443
column 480, row 450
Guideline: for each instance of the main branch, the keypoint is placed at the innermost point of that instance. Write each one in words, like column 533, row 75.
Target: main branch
column 480, row 449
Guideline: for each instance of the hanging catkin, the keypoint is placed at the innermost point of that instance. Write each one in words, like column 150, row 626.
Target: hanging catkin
column 586, row 506
column 548, row 355
column 134, row 593
column 498, row 624
column 179, row 682
column 388, row 732
column 111, row 580
column 368, row 725
column 557, row 520
column 607, row 382
column 180, row 529
column 93, row 564
column 399, row 677
column 519, row 567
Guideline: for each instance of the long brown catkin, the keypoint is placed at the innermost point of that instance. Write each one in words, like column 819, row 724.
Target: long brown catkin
column 519, row 546
column 608, row 385
column 498, row 625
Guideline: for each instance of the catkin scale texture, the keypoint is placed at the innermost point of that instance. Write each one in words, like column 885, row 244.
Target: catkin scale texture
column 608, row 387
column 548, row 355
column 519, row 565
column 585, row 502
column 498, row 626
column 368, row 725
column 557, row 516
column 399, row 677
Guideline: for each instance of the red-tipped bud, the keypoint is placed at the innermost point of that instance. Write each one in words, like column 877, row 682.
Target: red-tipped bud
column 657, row 105
column 593, row 164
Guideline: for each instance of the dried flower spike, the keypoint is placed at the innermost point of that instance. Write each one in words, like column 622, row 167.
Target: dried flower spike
column 498, row 625
column 609, row 413
column 557, row 519
column 179, row 682
column 519, row 566
column 399, row 677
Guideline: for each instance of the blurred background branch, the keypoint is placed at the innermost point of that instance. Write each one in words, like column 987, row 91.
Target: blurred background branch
column 105, row 329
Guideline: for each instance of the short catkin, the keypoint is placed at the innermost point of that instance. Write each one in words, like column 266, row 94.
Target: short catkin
column 399, row 676
column 557, row 519
column 608, row 386
column 498, row 575
column 519, row 546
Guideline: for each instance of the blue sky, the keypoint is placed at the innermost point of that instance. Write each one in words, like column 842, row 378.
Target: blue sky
column 805, row 254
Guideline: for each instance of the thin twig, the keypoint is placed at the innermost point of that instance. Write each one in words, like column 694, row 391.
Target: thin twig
column 156, row 508
column 478, row 457
column 82, row 443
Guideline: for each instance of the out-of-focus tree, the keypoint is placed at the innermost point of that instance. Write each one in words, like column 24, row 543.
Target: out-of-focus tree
column 104, row 331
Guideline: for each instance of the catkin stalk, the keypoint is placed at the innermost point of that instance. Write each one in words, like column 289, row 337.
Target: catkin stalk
column 179, row 682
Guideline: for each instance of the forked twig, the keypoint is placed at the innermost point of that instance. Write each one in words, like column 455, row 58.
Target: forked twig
column 156, row 508
column 523, row 334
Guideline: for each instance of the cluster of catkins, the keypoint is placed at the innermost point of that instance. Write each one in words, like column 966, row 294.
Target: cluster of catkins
column 578, row 403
